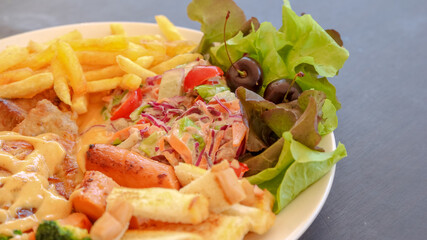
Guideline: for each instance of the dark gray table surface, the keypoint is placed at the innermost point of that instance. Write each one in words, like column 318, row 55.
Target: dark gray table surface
column 380, row 189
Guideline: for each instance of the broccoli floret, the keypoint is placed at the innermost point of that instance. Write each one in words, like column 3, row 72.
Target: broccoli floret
column 4, row 237
column 52, row 230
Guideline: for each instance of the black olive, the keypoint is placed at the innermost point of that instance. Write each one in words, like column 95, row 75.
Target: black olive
column 249, row 75
column 276, row 90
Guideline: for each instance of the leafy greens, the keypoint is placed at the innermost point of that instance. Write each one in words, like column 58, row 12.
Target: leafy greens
column 282, row 140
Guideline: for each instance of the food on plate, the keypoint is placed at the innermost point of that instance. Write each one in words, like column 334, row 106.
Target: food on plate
column 145, row 137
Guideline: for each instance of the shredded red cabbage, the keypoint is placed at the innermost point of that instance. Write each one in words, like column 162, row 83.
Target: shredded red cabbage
column 156, row 122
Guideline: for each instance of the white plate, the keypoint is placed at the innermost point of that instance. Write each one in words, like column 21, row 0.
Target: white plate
column 292, row 222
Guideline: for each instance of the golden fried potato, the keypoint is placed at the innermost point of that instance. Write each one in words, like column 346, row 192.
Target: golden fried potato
column 130, row 81
column 108, row 43
column 175, row 61
column 11, row 56
column 73, row 69
column 168, row 29
column 117, row 29
column 15, row 75
column 103, row 85
column 28, row 87
column 79, row 103
column 130, row 67
column 103, row 73
column 60, row 83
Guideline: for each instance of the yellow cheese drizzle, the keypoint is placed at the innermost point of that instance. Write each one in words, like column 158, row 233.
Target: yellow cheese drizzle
column 28, row 187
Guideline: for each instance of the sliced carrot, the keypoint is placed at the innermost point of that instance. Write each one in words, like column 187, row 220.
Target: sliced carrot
column 239, row 133
column 90, row 197
column 172, row 159
column 181, row 148
column 77, row 219
column 130, row 169
column 217, row 141
column 125, row 132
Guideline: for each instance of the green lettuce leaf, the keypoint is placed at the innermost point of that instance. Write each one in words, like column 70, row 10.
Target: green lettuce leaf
column 211, row 14
column 207, row 92
column 301, row 44
column 329, row 120
column 311, row 44
column 297, row 168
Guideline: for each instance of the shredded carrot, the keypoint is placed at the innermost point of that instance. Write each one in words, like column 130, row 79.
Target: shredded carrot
column 203, row 163
column 239, row 133
column 172, row 159
column 217, row 142
column 124, row 133
column 181, row 148
column 162, row 144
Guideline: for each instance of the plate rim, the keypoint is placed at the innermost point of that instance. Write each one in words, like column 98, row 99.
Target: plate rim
column 294, row 234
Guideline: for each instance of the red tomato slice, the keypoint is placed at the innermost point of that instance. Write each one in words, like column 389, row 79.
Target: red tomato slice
column 240, row 171
column 200, row 75
column 134, row 100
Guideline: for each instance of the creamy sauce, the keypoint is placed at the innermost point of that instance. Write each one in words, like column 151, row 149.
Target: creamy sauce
column 95, row 134
column 27, row 187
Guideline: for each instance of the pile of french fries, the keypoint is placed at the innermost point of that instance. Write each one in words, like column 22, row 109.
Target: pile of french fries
column 75, row 66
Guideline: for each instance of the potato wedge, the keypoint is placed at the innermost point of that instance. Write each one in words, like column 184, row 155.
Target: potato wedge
column 168, row 29
column 217, row 226
column 72, row 67
column 175, row 61
column 156, row 204
column 160, row 235
column 28, row 87
column 11, row 56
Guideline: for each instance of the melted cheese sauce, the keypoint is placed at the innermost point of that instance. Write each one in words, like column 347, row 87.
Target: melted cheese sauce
column 27, row 187
column 95, row 134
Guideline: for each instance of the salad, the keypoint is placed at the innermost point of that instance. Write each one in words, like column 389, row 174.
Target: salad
column 213, row 115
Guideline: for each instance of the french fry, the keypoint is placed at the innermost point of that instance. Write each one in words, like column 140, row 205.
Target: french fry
column 103, row 73
column 130, row 81
column 103, row 85
column 145, row 61
column 140, row 38
column 35, row 47
column 28, row 87
column 38, row 60
column 15, row 75
column 70, row 36
column 108, row 43
column 97, row 58
column 135, row 51
column 60, row 84
column 73, row 69
column 179, row 47
column 175, row 61
column 117, row 29
column 79, row 103
column 130, row 67
column 168, row 29
column 11, row 56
